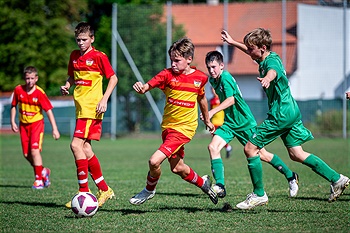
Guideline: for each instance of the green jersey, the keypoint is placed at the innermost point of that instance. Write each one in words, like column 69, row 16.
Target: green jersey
column 282, row 105
column 238, row 116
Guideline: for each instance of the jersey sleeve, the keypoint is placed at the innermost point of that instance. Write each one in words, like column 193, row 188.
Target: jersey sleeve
column 14, row 98
column 159, row 80
column 105, row 66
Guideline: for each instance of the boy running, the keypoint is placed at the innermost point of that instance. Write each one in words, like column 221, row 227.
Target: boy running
column 239, row 122
column 284, row 117
column 31, row 100
column 183, row 86
column 86, row 69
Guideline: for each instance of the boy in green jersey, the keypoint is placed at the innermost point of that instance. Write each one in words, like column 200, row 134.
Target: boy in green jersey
column 284, row 117
column 239, row 122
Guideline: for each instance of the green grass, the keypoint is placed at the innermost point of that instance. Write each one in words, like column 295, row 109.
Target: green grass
column 177, row 206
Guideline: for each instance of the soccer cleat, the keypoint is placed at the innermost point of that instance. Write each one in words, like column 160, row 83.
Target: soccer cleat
column 293, row 185
column 38, row 184
column 220, row 190
column 69, row 204
column 141, row 197
column 253, row 201
column 103, row 196
column 337, row 188
column 206, row 188
column 46, row 176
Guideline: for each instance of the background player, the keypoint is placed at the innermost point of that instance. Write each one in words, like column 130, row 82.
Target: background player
column 31, row 100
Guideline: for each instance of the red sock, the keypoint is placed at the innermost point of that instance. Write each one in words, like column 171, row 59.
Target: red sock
column 151, row 182
column 194, row 178
column 82, row 173
column 96, row 173
column 37, row 172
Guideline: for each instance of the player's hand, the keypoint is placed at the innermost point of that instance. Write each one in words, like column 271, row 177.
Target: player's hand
column 56, row 134
column 138, row 87
column 225, row 37
column 264, row 82
column 101, row 107
column 210, row 127
column 14, row 127
column 64, row 90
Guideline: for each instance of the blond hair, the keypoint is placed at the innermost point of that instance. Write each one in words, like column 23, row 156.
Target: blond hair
column 258, row 37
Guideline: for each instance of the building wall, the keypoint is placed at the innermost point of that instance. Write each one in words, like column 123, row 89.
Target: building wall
column 320, row 72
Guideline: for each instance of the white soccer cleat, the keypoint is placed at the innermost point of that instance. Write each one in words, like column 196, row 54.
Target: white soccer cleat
column 337, row 188
column 206, row 188
column 293, row 185
column 220, row 190
column 141, row 197
column 253, row 201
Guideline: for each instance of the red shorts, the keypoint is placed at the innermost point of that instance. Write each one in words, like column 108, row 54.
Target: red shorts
column 88, row 129
column 32, row 136
column 173, row 143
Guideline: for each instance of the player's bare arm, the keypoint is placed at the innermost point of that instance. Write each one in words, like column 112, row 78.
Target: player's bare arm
column 14, row 126
column 102, row 105
column 65, row 88
column 55, row 133
column 203, row 105
column 222, row 106
column 269, row 77
column 225, row 37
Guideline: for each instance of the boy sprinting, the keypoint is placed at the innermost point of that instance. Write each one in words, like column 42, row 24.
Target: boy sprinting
column 86, row 69
column 31, row 100
column 239, row 122
column 284, row 117
column 183, row 86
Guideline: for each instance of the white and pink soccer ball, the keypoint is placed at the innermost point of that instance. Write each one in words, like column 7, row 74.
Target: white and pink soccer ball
column 84, row 204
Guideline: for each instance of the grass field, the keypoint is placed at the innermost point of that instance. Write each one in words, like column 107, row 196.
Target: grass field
column 177, row 206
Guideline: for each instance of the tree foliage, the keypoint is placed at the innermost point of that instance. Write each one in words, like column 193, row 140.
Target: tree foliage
column 37, row 33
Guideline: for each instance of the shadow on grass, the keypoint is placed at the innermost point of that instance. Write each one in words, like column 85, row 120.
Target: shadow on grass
column 51, row 205
column 13, row 186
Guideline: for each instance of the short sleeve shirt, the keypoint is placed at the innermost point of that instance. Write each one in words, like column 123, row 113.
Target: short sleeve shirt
column 238, row 116
column 30, row 106
column 181, row 91
column 282, row 105
column 88, row 71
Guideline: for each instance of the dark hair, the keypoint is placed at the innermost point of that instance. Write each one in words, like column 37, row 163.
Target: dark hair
column 84, row 27
column 30, row 70
column 214, row 56
column 183, row 47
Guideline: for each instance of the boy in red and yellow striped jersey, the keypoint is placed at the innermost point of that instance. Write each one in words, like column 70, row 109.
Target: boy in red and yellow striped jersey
column 31, row 100
column 86, row 69
column 183, row 86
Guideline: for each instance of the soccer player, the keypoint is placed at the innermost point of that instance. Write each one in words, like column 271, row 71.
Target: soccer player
column 183, row 86
column 239, row 122
column 31, row 100
column 284, row 117
column 218, row 119
column 86, row 69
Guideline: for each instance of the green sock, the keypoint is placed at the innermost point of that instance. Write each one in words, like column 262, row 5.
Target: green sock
column 279, row 165
column 217, row 168
column 255, row 170
column 321, row 168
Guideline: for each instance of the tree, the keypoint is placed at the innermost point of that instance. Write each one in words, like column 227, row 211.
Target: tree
column 38, row 33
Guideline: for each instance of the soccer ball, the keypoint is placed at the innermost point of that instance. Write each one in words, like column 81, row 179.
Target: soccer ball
column 84, row 204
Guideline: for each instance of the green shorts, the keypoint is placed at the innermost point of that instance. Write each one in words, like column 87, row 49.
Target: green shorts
column 269, row 130
column 228, row 134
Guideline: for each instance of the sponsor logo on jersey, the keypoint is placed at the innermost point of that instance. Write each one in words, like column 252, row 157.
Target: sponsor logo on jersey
column 181, row 103
column 35, row 100
column 82, row 82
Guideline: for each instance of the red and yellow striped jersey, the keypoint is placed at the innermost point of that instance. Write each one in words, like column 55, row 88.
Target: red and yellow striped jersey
column 30, row 106
column 181, row 91
column 88, row 71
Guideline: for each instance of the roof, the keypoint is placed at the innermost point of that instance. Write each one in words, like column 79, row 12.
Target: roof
column 203, row 24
